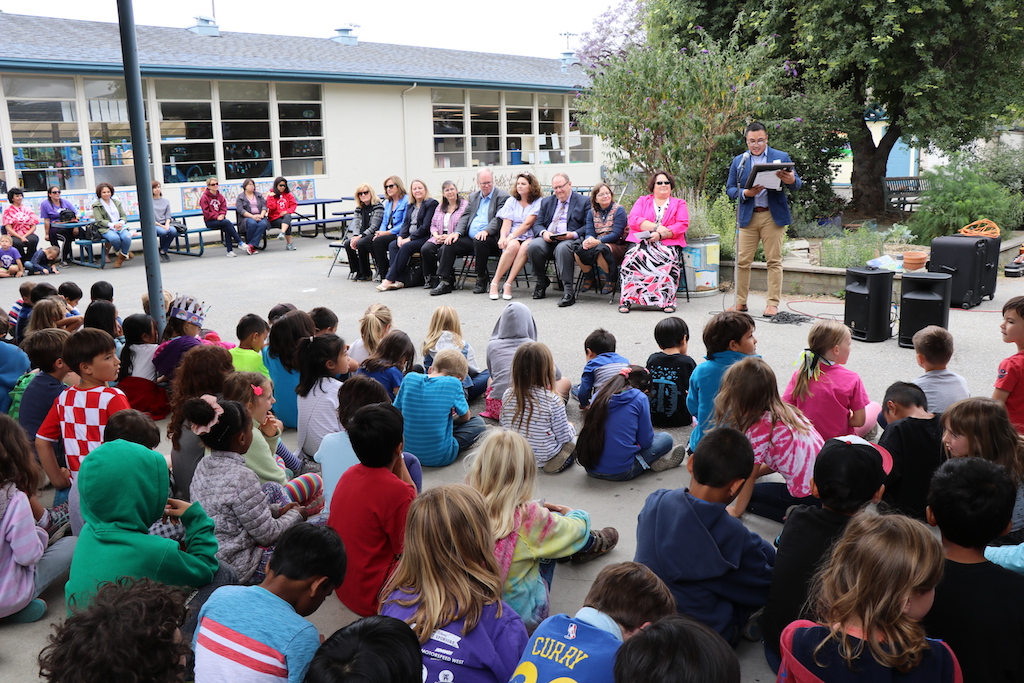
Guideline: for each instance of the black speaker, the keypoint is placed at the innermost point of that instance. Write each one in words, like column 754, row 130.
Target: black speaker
column 868, row 302
column 924, row 301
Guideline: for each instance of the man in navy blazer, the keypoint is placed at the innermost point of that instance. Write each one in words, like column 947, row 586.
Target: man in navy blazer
column 560, row 224
column 763, row 216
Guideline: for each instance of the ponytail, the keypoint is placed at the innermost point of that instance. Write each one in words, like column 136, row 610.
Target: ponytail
column 590, row 444
column 313, row 354
column 217, row 423
column 825, row 335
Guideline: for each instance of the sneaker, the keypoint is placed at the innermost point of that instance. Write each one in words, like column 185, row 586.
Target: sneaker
column 164, row 258
column 562, row 461
column 752, row 629
column 603, row 541
column 232, row 254
column 670, row 460
column 250, row 249
column 281, row 235
column 290, row 247
column 33, row 611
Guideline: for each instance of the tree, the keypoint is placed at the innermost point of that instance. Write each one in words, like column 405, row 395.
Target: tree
column 941, row 70
column 663, row 106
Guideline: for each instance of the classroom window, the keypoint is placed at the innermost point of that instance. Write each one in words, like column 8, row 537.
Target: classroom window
column 46, row 145
column 245, row 128
column 110, row 136
column 301, row 129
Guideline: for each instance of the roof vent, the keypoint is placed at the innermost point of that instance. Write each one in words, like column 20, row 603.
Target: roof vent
column 206, row 26
column 344, row 36
column 567, row 59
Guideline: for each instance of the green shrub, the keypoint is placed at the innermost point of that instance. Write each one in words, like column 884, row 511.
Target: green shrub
column 958, row 196
column 852, row 250
column 721, row 216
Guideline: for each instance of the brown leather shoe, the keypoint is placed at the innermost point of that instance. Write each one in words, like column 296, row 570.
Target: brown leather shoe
column 119, row 260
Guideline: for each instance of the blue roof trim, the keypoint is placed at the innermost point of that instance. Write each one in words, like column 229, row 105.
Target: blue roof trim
column 157, row 71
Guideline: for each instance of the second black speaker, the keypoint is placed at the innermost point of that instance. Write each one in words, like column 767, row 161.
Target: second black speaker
column 924, row 301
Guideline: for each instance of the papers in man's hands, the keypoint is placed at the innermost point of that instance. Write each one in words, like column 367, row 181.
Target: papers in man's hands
column 764, row 175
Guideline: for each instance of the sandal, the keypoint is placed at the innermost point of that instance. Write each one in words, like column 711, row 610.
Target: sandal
column 589, row 282
column 609, row 286
column 669, row 309
column 624, row 308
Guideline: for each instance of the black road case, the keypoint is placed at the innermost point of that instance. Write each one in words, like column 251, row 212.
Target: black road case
column 972, row 261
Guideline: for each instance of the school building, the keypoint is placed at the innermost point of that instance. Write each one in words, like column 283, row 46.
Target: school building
column 332, row 112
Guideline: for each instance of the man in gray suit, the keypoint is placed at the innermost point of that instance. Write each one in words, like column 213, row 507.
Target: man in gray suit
column 477, row 233
column 560, row 224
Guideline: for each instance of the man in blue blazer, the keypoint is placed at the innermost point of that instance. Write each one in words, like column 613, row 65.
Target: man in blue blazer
column 560, row 224
column 763, row 216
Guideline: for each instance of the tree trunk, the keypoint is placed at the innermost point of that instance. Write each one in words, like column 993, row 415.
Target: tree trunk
column 869, row 162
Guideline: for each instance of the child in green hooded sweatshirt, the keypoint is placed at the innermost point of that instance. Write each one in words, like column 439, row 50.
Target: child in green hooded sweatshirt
column 123, row 490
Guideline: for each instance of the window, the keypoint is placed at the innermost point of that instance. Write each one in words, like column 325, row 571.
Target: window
column 46, row 149
column 580, row 145
column 110, row 135
column 449, row 127
column 511, row 128
column 245, row 129
column 301, row 127
column 187, row 149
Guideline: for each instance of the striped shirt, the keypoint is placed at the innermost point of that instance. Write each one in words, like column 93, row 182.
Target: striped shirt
column 547, row 429
column 247, row 633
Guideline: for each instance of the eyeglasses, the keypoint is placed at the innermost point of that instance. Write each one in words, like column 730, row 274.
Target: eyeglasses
column 364, row 192
column 759, row 141
column 485, row 184
column 282, row 184
column 55, row 192
column 388, row 187
column 662, row 182
column 214, row 184
column 559, row 187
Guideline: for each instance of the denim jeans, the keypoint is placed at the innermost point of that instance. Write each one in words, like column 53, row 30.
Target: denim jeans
column 468, row 432
column 228, row 229
column 479, row 384
column 255, row 229
column 661, row 445
column 166, row 236
column 120, row 240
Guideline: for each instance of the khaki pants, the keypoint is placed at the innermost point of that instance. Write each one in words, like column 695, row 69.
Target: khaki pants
column 760, row 229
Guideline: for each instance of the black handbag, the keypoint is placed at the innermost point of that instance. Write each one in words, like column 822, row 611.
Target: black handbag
column 90, row 232
column 68, row 216
column 179, row 226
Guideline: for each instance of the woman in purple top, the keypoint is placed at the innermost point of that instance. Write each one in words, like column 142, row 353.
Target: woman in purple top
column 50, row 210
column 469, row 611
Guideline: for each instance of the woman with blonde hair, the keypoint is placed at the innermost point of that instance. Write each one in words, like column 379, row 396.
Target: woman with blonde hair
column 528, row 535
column 447, row 586
column 366, row 221
column 396, row 203
column 373, row 326
column 411, row 238
column 518, row 216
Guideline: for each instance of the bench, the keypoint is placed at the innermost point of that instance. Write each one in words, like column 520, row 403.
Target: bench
column 904, row 194
column 88, row 258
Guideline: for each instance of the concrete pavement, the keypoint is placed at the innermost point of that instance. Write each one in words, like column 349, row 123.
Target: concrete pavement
column 247, row 284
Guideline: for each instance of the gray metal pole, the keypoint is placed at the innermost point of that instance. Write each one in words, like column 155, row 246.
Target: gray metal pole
column 140, row 153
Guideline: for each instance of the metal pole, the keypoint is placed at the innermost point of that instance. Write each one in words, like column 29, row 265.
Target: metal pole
column 140, row 154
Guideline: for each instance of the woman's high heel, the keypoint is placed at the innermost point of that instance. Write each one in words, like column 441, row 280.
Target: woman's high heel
column 507, row 293
column 494, row 291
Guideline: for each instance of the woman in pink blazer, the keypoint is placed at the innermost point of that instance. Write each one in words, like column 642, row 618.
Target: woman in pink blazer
column 657, row 227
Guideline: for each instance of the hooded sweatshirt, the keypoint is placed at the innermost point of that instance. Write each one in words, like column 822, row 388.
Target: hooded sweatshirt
column 704, row 383
column 717, row 571
column 514, row 328
column 627, row 431
column 123, row 490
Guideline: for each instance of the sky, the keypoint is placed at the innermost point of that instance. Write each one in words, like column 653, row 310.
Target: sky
column 530, row 27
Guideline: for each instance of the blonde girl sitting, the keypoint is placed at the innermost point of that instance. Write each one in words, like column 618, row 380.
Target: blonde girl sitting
column 529, row 535
column 454, row 595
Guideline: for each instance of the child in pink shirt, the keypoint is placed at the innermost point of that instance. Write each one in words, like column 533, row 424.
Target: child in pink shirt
column 832, row 397
column 783, row 440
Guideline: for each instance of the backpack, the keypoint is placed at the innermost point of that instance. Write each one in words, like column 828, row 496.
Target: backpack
column 17, row 392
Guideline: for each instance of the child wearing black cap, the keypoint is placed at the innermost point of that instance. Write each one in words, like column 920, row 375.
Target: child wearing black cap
column 849, row 473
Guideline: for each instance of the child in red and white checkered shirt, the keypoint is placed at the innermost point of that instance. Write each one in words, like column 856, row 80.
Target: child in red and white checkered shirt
column 79, row 415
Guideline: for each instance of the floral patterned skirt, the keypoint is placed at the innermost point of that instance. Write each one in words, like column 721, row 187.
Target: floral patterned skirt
column 650, row 275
